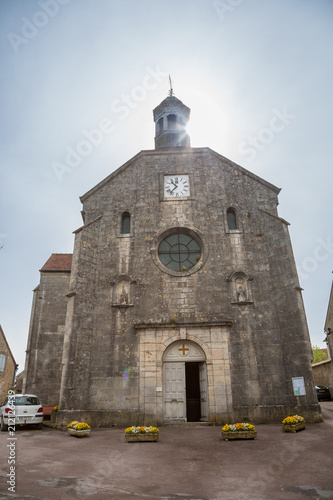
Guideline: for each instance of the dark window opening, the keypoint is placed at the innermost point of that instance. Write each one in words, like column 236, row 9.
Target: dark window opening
column 172, row 122
column 160, row 125
column 231, row 216
column 126, row 223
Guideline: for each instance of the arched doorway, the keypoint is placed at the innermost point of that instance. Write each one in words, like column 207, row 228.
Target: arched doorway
column 185, row 382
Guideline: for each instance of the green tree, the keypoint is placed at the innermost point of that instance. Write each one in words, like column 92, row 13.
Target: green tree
column 318, row 354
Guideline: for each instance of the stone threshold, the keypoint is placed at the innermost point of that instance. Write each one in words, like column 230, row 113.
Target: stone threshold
column 177, row 423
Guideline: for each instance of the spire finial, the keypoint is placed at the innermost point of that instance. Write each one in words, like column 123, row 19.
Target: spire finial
column 171, row 89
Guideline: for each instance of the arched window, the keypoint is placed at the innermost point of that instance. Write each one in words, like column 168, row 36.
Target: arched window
column 231, row 216
column 125, row 223
column 172, row 122
column 160, row 125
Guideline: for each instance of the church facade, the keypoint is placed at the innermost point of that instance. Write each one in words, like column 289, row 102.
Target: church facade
column 181, row 301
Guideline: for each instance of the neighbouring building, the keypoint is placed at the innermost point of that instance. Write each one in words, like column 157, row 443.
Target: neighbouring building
column 8, row 366
column 42, row 374
column 323, row 371
column 181, row 302
column 19, row 383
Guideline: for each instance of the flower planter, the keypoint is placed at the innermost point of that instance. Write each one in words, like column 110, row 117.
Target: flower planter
column 139, row 438
column 293, row 427
column 226, row 435
column 79, row 434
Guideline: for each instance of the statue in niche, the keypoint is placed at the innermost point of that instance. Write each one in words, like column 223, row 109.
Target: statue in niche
column 123, row 295
column 241, row 297
column 240, row 289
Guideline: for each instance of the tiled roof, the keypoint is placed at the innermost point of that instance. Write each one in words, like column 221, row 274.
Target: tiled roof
column 58, row 262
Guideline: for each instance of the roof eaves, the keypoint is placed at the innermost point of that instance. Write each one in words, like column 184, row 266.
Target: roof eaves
column 114, row 174
column 86, row 225
column 247, row 172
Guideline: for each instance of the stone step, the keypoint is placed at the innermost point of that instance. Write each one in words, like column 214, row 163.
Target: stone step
column 177, row 423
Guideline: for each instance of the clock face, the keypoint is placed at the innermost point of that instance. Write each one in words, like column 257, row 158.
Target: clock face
column 176, row 185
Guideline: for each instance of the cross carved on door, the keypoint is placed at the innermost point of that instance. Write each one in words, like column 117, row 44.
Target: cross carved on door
column 183, row 349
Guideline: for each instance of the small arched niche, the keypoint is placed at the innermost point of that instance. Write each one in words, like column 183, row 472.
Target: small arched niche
column 240, row 288
column 123, row 292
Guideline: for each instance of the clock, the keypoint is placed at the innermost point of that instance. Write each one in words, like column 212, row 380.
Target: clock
column 176, row 185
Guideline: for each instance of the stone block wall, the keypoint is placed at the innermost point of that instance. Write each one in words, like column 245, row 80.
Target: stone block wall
column 45, row 343
column 7, row 375
column 323, row 374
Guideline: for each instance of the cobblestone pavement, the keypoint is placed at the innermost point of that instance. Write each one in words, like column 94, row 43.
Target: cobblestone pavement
column 186, row 464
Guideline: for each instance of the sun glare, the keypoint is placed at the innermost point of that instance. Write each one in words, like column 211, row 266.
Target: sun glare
column 208, row 120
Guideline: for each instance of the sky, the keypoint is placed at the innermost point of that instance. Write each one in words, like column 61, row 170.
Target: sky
column 80, row 78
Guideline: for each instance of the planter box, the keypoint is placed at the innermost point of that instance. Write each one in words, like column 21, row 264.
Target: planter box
column 293, row 428
column 137, row 438
column 79, row 434
column 239, row 435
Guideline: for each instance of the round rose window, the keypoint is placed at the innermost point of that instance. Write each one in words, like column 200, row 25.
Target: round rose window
column 179, row 252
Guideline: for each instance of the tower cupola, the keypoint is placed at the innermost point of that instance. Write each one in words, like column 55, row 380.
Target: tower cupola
column 171, row 117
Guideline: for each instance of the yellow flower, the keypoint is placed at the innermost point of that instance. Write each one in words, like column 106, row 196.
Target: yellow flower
column 239, row 426
column 72, row 424
column 79, row 426
column 141, row 429
column 293, row 420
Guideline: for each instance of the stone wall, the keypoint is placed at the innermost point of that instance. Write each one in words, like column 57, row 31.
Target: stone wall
column 6, row 376
column 323, row 374
column 45, row 343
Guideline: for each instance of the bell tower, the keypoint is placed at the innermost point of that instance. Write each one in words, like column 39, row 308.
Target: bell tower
column 171, row 117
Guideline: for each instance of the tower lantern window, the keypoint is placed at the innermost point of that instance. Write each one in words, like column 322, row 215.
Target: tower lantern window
column 172, row 122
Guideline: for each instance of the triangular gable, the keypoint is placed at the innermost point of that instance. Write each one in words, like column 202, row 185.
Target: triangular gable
column 168, row 151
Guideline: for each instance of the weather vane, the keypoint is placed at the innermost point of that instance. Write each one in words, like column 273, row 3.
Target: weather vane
column 171, row 89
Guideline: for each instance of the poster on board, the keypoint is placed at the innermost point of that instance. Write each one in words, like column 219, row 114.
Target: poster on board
column 298, row 386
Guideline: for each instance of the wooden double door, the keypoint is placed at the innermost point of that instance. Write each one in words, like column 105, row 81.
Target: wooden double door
column 185, row 391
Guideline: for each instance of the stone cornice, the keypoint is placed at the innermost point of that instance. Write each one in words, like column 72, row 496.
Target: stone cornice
column 190, row 324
